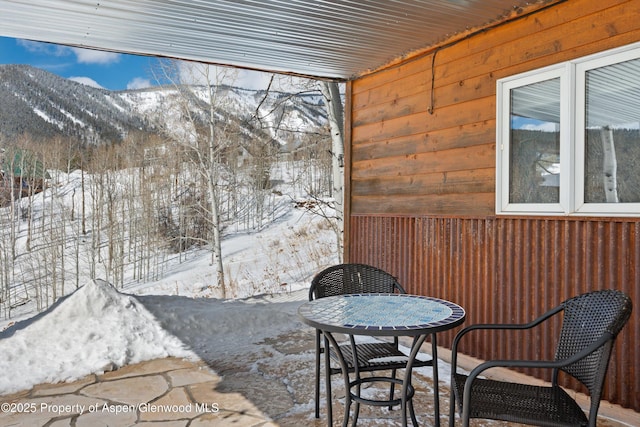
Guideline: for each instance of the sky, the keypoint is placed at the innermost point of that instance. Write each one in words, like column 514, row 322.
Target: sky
column 108, row 70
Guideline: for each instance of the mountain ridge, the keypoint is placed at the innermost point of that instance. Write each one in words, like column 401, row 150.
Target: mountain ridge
column 44, row 105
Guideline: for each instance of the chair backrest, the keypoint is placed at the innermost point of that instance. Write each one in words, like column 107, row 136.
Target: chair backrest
column 352, row 279
column 587, row 318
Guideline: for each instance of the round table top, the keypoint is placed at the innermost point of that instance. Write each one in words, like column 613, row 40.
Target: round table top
column 381, row 314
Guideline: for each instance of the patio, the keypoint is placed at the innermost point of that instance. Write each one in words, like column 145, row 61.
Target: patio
column 268, row 384
column 420, row 134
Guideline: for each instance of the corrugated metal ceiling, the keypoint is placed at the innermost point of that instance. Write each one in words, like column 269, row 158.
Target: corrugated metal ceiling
column 612, row 97
column 336, row 39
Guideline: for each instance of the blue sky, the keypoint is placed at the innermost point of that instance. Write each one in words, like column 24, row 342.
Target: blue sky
column 114, row 71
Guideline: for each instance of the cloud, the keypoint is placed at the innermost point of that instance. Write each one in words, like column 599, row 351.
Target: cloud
column 259, row 80
column 88, row 56
column 201, row 74
column 544, row 127
column 139, row 83
column 86, row 81
column 253, row 80
column 83, row 56
column 196, row 73
column 44, row 48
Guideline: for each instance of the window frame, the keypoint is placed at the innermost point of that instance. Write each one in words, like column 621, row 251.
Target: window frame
column 572, row 75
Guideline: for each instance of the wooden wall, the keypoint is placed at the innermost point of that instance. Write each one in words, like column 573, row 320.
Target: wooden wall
column 421, row 180
column 406, row 159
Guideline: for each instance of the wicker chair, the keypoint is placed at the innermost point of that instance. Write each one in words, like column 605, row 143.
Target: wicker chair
column 590, row 325
column 356, row 279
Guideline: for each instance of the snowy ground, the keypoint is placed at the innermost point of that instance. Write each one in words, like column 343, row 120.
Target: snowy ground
column 99, row 328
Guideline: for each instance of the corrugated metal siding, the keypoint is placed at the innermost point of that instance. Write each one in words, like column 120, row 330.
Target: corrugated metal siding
column 512, row 270
column 324, row 38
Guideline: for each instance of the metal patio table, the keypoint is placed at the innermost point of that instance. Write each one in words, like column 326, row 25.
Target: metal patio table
column 383, row 315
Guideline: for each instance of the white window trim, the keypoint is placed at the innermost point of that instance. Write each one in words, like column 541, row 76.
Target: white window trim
column 503, row 126
column 596, row 61
column 572, row 126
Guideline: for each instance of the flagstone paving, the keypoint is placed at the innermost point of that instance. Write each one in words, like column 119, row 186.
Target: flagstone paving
column 273, row 387
column 167, row 392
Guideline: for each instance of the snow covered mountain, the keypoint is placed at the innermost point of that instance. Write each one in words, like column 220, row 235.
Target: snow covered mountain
column 44, row 105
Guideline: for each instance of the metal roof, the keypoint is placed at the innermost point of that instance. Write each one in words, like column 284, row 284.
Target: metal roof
column 334, row 39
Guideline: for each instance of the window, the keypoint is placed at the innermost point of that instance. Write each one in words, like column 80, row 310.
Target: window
column 569, row 138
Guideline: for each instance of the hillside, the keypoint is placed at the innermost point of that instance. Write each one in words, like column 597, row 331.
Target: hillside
column 44, row 105
column 54, row 257
column 134, row 211
column 103, row 268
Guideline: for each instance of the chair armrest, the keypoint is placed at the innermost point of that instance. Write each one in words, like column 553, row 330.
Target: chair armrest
column 497, row 326
column 543, row 364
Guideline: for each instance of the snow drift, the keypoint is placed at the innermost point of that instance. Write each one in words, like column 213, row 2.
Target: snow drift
column 95, row 328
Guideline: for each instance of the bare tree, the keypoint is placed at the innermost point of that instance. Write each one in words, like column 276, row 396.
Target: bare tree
column 205, row 140
column 308, row 148
column 333, row 104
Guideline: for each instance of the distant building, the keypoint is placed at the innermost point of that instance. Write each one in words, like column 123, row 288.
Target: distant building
column 23, row 174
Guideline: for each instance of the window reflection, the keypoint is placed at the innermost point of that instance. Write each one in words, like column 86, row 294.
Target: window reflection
column 534, row 175
column 612, row 134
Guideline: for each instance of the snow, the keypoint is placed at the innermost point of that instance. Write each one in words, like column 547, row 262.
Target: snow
column 93, row 329
column 72, row 118
column 87, row 81
column 99, row 328
column 46, row 118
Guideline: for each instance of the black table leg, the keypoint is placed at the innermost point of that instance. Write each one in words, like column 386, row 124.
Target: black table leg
column 327, row 380
column 408, row 403
column 436, row 385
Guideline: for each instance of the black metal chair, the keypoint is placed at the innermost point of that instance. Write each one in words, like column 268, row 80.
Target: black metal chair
column 590, row 325
column 356, row 279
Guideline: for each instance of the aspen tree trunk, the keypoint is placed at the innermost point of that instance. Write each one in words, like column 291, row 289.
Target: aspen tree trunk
column 82, row 194
column 23, row 171
column 78, row 237
column 14, row 222
column 609, row 165
column 57, row 240
column 333, row 102
column 214, row 210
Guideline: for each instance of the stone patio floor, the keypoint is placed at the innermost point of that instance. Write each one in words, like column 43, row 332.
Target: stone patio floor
column 271, row 388
column 269, row 384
